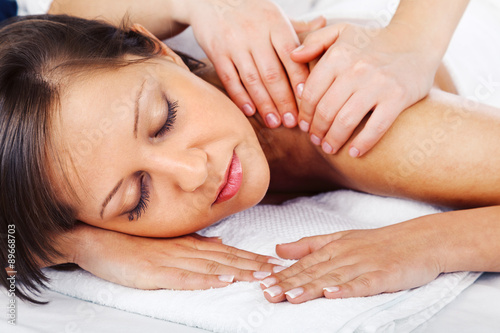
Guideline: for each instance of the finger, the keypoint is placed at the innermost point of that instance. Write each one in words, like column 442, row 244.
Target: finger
column 316, row 86
column 306, row 26
column 213, row 267
column 208, row 246
column 328, row 108
column 317, row 43
column 277, row 84
column 304, row 246
column 232, row 260
column 297, row 73
column 346, row 121
column 297, row 291
column 379, row 123
column 250, row 76
column 369, row 284
column 230, row 79
column 181, row 279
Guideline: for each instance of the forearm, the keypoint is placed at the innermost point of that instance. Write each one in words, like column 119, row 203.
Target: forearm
column 430, row 22
column 161, row 17
column 466, row 240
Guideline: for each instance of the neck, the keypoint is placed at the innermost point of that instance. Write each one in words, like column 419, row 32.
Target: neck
column 297, row 167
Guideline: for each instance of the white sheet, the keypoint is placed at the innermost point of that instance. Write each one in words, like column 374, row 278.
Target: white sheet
column 241, row 306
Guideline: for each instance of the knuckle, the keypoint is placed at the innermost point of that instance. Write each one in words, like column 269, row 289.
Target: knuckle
column 212, row 267
column 366, row 282
column 226, row 79
column 182, row 278
column 231, row 259
column 345, row 120
column 251, row 78
column 272, row 75
column 323, row 112
column 380, row 127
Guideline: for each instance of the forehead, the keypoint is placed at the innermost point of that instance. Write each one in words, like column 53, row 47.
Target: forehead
column 96, row 111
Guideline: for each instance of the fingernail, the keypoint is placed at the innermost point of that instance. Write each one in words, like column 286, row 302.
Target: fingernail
column 294, row 293
column 315, row 140
column 272, row 120
column 277, row 269
column 269, row 282
column 289, row 120
column 300, row 90
column 304, row 126
column 275, row 261
column 226, row 278
column 353, row 152
column 274, row 291
column 327, row 148
column 248, row 110
column 331, row 289
column 298, row 48
column 261, row 275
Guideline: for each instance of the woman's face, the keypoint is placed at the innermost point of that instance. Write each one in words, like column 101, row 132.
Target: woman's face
column 152, row 150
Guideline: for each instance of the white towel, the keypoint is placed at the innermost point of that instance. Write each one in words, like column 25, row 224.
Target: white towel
column 241, row 307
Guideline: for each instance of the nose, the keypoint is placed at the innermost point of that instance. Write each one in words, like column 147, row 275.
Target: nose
column 188, row 169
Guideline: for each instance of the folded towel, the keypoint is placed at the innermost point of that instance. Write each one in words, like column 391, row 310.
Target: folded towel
column 241, row 307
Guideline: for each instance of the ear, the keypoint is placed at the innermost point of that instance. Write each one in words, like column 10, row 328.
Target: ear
column 165, row 50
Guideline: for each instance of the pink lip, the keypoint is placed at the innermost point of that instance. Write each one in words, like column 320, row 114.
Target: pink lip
column 232, row 181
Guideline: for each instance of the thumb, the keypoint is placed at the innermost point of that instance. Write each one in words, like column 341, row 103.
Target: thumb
column 304, row 246
column 317, row 43
column 307, row 26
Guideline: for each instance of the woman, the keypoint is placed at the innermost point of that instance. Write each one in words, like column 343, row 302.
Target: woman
column 136, row 144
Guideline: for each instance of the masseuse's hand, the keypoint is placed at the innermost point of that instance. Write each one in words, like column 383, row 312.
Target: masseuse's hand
column 358, row 263
column 249, row 42
column 186, row 263
column 361, row 70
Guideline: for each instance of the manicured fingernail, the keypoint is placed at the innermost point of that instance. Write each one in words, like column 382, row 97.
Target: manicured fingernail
column 327, row 148
column 300, row 90
column 274, row 291
column 277, row 269
column 226, row 278
column 261, row 275
column 269, row 282
column 248, row 110
column 272, row 120
column 304, row 126
column 353, row 152
column 315, row 140
column 298, row 48
column 289, row 120
column 294, row 293
column 275, row 261
column 331, row 289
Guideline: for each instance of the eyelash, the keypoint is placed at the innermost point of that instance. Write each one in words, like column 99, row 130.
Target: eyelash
column 136, row 213
column 141, row 207
column 169, row 123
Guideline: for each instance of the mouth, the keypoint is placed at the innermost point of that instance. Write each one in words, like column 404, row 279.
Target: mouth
column 232, row 181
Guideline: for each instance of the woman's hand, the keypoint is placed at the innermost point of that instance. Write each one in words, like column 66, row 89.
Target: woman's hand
column 186, row 263
column 358, row 263
column 361, row 70
column 249, row 42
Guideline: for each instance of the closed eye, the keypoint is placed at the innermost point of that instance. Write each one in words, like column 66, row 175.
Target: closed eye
column 169, row 122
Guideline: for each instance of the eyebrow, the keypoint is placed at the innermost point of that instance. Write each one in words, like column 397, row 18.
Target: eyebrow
column 136, row 118
column 110, row 196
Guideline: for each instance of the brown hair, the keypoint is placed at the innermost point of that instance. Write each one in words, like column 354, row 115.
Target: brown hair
column 31, row 49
